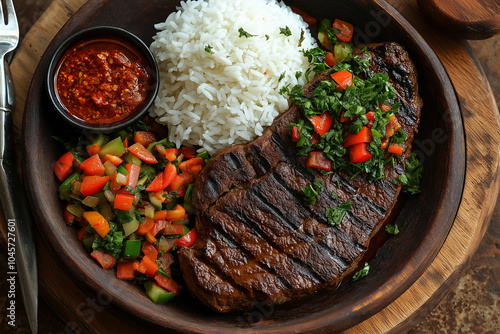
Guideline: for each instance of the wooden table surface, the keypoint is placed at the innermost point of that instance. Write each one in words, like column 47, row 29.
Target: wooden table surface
column 473, row 302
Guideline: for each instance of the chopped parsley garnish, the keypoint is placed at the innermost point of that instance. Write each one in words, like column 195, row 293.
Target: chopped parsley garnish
column 411, row 179
column 285, row 31
column 392, row 229
column 112, row 243
column 311, row 191
column 243, row 33
column 336, row 214
column 209, row 49
column 282, row 76
column 361, row 273
column 267, row 37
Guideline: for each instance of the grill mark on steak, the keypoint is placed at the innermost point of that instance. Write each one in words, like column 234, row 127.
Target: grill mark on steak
column 259, row 240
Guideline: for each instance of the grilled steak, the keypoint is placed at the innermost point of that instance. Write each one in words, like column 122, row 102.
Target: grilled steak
column 259, row 239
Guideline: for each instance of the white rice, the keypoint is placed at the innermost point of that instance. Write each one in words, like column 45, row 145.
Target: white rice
column 230, row 96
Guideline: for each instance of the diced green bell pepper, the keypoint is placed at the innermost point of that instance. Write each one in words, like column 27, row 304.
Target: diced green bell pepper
column 65, row 187
column 157, row 294
column 132, row 248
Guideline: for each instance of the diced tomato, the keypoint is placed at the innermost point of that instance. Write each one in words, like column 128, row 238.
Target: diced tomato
column 317, row 160
column 389, row 130
column 145, row 226
column 371, row 118
column 173, row 229
column 157, row 183
column 142, row 153
column 310, row 20
column 384, row 107
column 385, row 142
column 115, row 160
column 395, row 122
column 107, row 261
column 63, row 166
column 330, row 59
column 144, row 137
column 133, row 174
column 125, row 270
column 93, row 149
column 123, row 202
column 93, row 184
column 395, row 148
column 68, row 216
column 93, row 166
column 167, row 283
column 359, row 153
column 295, row 133
column 125, row 142
column 321, row 123
column 188, row 152
column 171, row 154
column 363, row 136
column 343, row 79
column 346, row 30
column 315, row 139
column 149, row 250
column 81, row 233
column 188, row 240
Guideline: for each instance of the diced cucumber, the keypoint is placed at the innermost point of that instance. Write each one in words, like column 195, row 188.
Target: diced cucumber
column 155, row 201
column 132, row 159
column 157, row 294
column 185, row 230
column 122, row 170
column 142, row 180
column 342, row 50
column 65, row 187
column 100, row 140
column 129, row 228
column 114, row 147
column 87, row 241
column 132, row 248
column 149, row 172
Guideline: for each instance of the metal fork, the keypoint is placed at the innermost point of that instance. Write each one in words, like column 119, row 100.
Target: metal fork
column 20, row 239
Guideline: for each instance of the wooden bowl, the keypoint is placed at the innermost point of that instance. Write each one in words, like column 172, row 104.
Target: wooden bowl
column 424, row 220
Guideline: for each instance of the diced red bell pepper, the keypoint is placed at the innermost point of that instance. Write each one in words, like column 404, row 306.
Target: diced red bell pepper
column 123, row 202
column 359, row 153
column 343, row 79
column 171, row 154
column 63, row 166
column 186, row 165
column 144, row 137
column 142, row 153
column 81, row 233
column 395, row 148
column 167, row 283
column 159, row 226
column 371, row 118
column 93, row 149
column 363, row 136
column 145, row 226
column 68, row 216
column 321, row 123
column 317, row 160
column 188, row 240
column 181, row 180
column 150, row 265
column 93, row 166
column 133, row 174
column 169, row 175
column 115, row 160
column 107, row 261
column 125, row 270
column 98, row 222
column 161, row 149
column 149, row 250
column 157, row 183
column 346, row 30
column 92, row 184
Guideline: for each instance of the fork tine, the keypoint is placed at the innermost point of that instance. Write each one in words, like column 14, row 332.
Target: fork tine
column 11, row 14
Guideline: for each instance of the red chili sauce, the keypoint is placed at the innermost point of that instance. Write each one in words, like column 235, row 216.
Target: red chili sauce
column 102, row 81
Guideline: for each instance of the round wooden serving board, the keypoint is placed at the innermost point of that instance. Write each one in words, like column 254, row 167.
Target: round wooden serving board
column 89, row 311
